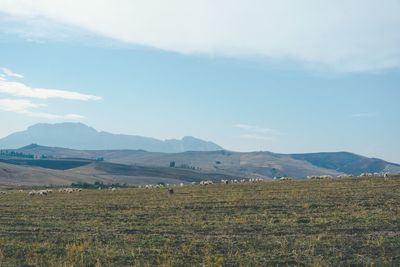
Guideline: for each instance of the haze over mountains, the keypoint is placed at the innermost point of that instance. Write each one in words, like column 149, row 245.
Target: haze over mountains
column 123, row 159
column 82, row 137
column 141, row 167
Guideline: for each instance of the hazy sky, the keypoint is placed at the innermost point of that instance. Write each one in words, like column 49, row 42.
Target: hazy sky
column 285, row 76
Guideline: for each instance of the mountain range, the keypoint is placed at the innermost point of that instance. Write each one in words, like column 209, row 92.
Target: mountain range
column 81, row 136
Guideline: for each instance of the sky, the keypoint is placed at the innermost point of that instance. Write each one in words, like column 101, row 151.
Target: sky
column 250, row 75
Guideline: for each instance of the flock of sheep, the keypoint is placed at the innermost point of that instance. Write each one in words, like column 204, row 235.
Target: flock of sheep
column 254, row 180
column 45, row 192
column 367, row 174
column 69, row 190
column 61, row 190
column 376, row 174
column 203, row 183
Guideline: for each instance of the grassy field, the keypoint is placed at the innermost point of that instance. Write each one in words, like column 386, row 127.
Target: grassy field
column 309, row 223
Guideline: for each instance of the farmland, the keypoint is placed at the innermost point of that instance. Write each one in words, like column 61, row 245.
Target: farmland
column 295, row 223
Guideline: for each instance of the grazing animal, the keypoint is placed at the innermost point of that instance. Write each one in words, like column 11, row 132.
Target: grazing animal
column 386, row 176
column 114, row 189
column 170, row 191
column 209, row 182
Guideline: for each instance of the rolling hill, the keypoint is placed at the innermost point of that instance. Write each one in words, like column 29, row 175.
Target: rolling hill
column 193, row 164
column 108, row 173
column 348, row 162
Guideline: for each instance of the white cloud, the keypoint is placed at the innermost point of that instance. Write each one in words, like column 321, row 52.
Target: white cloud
column 22, row 106
column 49, row 116
column 256, row 129
column 355, row 35
column 21, row 90
column 18, row 105
column 10, row 73
column 27, row 107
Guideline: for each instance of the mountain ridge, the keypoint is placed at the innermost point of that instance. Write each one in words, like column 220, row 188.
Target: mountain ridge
column 82, row 137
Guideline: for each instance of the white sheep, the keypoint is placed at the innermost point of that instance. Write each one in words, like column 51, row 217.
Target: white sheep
column 208, row 182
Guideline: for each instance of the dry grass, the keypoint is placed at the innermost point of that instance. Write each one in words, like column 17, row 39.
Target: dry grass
column 309, row 223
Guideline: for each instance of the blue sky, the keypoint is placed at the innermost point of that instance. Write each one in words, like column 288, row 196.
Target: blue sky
column 245, row 97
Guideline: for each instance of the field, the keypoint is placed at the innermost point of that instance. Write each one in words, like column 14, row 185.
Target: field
column 54, row 164
column 293, row 223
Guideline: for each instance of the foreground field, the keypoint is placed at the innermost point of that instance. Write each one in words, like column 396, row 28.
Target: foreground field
column 317, row 223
